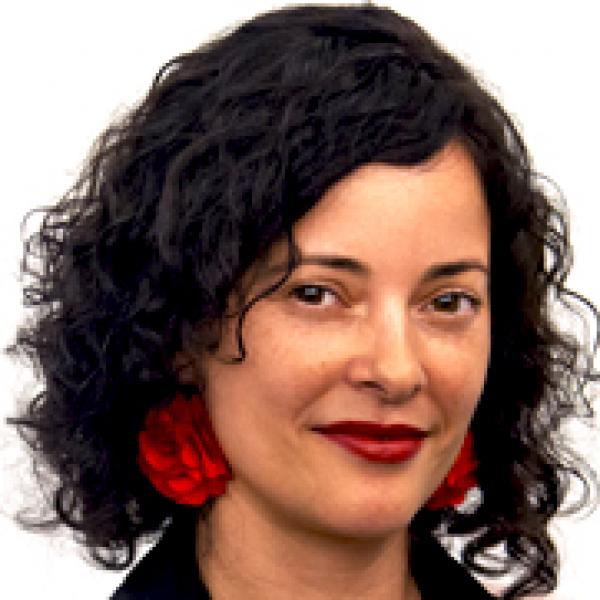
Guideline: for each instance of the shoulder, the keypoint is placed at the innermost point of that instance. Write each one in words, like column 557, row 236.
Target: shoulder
column 168, row 571
column 439, row 575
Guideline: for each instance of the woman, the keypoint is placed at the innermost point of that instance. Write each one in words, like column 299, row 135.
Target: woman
column 296, row 312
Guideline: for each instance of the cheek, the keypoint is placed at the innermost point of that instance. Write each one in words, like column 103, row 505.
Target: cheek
column 275, row 382
column 457, row 375
column 291, row 356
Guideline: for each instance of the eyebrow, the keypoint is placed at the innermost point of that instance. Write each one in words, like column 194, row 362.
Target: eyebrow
column 356, row 267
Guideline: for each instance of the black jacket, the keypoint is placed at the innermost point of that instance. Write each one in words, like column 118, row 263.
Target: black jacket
column 169, row 572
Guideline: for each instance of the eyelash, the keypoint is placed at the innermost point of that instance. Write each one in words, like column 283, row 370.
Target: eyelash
column 453, row 296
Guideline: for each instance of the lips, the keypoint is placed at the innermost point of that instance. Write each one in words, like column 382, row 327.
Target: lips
column 375, row 442
column 377, row 431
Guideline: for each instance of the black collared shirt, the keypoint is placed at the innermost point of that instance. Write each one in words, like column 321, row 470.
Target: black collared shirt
column 170, row 572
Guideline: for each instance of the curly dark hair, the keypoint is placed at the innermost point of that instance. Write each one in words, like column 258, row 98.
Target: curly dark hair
column 234, row 142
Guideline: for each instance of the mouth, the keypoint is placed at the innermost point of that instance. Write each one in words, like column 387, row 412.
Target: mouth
column 375, row 442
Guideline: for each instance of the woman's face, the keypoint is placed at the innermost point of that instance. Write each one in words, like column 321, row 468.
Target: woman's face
column 407, row 309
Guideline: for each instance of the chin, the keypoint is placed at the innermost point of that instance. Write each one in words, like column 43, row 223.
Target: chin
column 372, row 521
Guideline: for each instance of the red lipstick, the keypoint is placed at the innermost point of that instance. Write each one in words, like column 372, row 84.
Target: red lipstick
column 374, row 441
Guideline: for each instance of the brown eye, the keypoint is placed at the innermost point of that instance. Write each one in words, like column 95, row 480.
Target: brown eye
column 455, row 303
column 313, row 294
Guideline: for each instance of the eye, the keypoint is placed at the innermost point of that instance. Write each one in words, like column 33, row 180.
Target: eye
column 314, row 294
column 455, row 303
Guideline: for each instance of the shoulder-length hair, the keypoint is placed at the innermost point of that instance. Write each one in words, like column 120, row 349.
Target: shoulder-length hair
column 234, row 142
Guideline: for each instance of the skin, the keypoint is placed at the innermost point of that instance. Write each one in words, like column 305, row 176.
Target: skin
column 303, row 517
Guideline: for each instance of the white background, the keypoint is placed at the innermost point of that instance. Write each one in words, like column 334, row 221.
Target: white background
column 69, row 67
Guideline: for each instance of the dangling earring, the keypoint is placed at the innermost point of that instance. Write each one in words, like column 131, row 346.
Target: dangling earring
column 179, row 453
column 459, row 480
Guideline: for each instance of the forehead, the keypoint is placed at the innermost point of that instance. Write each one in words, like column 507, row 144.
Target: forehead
column 401, row 215
column 401, row 203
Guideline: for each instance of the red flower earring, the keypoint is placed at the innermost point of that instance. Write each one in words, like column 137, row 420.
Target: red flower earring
column 179, row 453
column 459, row 480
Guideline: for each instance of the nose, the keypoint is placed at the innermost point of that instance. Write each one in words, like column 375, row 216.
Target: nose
column 387, row 357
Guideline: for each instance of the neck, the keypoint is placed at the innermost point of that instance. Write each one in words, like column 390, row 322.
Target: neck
column 250, row 555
